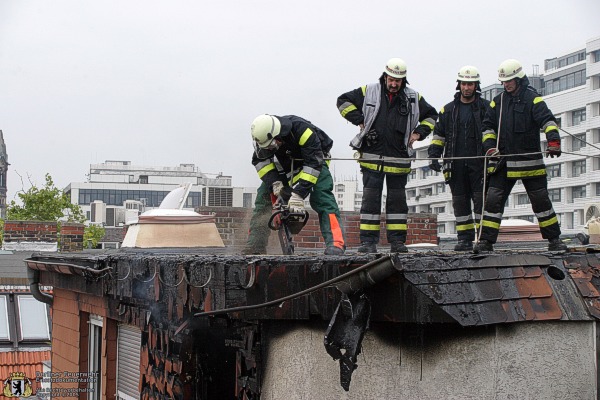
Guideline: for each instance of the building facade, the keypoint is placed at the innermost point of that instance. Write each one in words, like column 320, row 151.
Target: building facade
column 348, row 194
column 117, row 191
column 3, row 169
column 570, row 86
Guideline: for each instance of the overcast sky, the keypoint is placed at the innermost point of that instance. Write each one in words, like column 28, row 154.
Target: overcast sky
column 161, row 83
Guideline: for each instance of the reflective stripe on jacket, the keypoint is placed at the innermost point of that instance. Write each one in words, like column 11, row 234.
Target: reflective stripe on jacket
column 522, row 118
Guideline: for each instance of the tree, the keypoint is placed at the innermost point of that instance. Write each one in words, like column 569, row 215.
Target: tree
column 44, row 204
column 92, row 235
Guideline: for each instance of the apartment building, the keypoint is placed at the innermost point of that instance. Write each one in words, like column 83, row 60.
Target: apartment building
column 348, row 194
column 570, row 86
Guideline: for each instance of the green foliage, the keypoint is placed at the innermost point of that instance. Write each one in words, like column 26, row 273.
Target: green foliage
column 44, row 204
column 92, row 235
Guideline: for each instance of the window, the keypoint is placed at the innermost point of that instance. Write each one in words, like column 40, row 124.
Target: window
column 452, row 227
column 143, row 178
column 340, row 188
column 426, row 191
column 578, row 116
column 411, row 193
column 595, row 56
column 578, row 168
column 553, row 171
column 525, row 217
column 578, row 192
column 129, row 341
column 34, row 319
column 554, row 195
column 598, row 189
column 595, row 109
column 522, row 198
column 247, row 200
column 217, row 197
column 23, row 319
column 578, row 141
column 579, row 217
column 440, row 187
column 4, row 332
column 428, row 172
column 569, row 220
column 95, row 356
column 441, row 228
column 413, row 174
column 439, row 210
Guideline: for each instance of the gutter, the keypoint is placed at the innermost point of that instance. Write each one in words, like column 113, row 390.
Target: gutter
column 34, row 285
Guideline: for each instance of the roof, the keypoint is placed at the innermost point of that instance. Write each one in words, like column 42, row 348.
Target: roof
column 499, row 288
column 12, row 269
column 422, row 287
column 27, row 362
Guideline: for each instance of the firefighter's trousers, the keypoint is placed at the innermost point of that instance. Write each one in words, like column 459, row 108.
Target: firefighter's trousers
column 396, row 207
column 322, row 202
column 466, row 185
column 537, row 190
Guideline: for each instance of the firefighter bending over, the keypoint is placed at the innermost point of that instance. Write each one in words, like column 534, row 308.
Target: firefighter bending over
column 291, row 149
column 512, row 127
column 458, row 134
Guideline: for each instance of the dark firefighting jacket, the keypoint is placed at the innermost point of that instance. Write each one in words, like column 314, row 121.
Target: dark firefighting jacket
column 517, row 122
column 299, row 159
column 395, row 120
column 444, row 139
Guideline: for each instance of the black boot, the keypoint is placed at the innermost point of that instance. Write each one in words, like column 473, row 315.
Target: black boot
column 464, row 245
column 483, row 246
column 398, row 247
column 367, row 247
column 334, row 251
column 556, row 244
column 250, row 250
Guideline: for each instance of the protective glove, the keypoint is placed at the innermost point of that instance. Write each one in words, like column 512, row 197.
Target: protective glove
column 435, row 165
column 553, row 149
column 277, row 186
column 296, row 203
column 492, row 158
column 372, row 137
column 285, row 193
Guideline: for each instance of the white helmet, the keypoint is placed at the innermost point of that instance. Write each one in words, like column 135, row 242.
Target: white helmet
column 264, row 129
column 510, row 69
column 468, row 73
column 396, row 68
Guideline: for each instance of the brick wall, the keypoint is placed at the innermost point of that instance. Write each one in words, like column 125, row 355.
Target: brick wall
column 66, row 334
column 71, row 234
column 71, row 237
column 70, row 340
column 233, row 224
column 30, row 231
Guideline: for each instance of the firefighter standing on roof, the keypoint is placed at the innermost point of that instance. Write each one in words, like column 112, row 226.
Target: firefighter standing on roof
column 512, row 127
column 458, row 134
column 391, row 116
column 289, row 157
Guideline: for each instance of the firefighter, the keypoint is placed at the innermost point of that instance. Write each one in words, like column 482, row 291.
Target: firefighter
column 391, row 117
column 511, row 142
column 289, row 157
column 458, row 134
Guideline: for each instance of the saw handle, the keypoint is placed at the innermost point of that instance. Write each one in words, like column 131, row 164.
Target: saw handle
column 284, row 215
